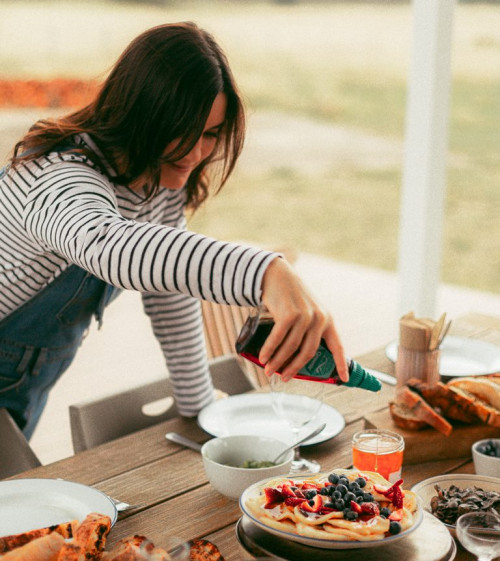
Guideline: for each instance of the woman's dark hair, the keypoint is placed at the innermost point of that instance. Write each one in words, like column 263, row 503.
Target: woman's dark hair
column 161, row 89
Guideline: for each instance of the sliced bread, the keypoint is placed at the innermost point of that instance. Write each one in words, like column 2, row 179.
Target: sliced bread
column 404, row 417
column 456, row 404
column 481, row 387
column 422, row 410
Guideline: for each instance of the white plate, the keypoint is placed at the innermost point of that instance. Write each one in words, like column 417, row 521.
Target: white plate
column 27, row 504
column 254, row 414
column 254, row 490
column 461, row 356
column 425, row 489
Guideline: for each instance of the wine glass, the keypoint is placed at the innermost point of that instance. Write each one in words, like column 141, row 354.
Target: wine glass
column 479, row 533
column 297, row 402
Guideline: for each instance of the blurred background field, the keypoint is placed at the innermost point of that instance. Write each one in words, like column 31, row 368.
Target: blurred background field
column 325, row 86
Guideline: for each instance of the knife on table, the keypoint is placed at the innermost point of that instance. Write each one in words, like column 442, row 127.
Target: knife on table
column 382, row 376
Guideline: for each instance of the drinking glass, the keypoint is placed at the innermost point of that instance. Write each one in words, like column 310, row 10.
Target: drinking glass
column 298, row 403
column 479, row 533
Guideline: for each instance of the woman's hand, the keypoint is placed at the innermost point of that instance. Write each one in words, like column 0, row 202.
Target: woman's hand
column 299, row 324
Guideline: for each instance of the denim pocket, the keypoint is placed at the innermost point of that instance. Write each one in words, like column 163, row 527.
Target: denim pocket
column 14, row 364
column 84, row 303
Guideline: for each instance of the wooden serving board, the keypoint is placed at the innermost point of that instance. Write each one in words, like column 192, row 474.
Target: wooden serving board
column 429, row 444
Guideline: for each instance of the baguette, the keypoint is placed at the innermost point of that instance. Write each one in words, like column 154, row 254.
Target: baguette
column 481, row 387
column 422, row 410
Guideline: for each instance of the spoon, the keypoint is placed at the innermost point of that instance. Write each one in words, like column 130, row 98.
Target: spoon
column 183, row 440
column 315, row 432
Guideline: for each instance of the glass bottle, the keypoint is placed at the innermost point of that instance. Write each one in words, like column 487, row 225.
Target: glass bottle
column 321, row 368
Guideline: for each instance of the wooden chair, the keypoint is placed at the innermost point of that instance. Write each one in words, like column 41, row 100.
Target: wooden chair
column 222, row 325
column 110, row 417
column 16, row 454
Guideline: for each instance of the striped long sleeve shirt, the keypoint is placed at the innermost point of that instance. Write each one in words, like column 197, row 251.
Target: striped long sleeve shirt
column 61, row 209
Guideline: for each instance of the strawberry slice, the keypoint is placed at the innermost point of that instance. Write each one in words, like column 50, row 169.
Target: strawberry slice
column 316, row 505
column 396, row 515
column 309, row 486
column 371, row 509
column 287, row 491
column 356, row 507
column 293, row 501
column 273, row 497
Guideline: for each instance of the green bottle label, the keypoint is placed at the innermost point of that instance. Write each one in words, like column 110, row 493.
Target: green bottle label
column 321, row 365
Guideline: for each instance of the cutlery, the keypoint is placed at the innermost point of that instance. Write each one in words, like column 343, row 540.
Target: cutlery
column 382, row 376
column 301, row 441
column 183, row 440
column 122, row 506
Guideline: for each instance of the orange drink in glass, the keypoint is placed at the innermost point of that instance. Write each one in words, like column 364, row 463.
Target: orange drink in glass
column 380, row 451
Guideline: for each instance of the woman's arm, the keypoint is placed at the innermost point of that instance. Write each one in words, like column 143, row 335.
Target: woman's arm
column 299, row 324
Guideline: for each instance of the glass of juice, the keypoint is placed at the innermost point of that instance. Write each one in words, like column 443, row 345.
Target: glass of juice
column 380, row 451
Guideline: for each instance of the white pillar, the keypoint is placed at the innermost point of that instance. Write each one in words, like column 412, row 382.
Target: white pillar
column 426, row 143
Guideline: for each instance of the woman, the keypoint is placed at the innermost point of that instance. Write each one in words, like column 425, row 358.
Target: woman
column 95, row 202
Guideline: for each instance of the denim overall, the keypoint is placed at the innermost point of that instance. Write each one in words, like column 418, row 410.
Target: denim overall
column 39, row 340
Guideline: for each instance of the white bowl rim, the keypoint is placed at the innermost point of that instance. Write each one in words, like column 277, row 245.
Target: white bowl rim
column 472, row 477
column 288, row 458
column 484, row 441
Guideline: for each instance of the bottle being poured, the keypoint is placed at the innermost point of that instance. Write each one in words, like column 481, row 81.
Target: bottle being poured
column 321, row 368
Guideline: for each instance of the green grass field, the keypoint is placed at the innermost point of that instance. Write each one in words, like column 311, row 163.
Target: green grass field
column 337, row 63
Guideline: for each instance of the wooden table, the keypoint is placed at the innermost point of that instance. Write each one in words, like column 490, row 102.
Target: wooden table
column 143, row 468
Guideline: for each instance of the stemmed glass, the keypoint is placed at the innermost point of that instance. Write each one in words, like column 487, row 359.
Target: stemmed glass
column 297, row 402
column 479, row 533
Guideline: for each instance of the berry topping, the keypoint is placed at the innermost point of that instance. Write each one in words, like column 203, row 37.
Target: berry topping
column 385, row 512
column 342, row 489
column 333, row 478
column 361, row 481
column 395, row 528
column 313, row 505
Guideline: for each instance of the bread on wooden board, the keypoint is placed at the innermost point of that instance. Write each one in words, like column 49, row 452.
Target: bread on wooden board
column 455, row 403
column 404, row 417
column 420, row 409
column 481, row 387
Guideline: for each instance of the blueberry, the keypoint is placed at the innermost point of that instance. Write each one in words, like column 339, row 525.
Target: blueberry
column 311, row 502
column 336, row 494
column 395, row 528
column 359, row 500
column 311, row 493
column 348, row 497
column 385, row 512
column 333, row 478
column 343, row 480
column 367, row 497
column 353, row 486
column 342, row 489
column 324, row 491
column 350, row 515
column 359, row 493
column 361, row 482
column 340, row 504
column 329, row 505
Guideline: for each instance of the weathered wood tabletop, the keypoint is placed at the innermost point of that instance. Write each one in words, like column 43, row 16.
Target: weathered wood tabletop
column 170, row 484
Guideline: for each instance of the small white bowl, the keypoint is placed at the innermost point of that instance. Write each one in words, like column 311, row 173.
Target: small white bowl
column 425, row 489
column 483, row 464
column 222, row 457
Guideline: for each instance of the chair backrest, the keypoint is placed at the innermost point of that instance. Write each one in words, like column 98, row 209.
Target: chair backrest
column 222, row 324
column 110, row 417
column 16, row 454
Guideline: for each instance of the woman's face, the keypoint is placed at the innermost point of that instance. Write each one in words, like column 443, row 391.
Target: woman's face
column 174, row 175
